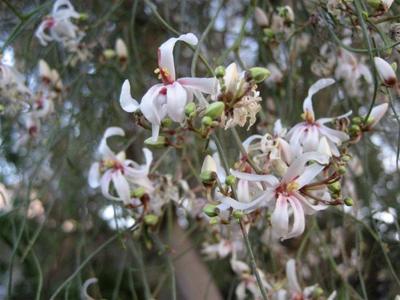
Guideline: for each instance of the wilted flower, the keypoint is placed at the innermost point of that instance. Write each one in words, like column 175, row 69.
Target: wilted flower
column 385, row 71
column 122, row 172
column 308, row 133
column 170, row 97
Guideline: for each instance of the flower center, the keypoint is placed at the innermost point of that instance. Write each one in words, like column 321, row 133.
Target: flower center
column 287, row 188
column 112, row 164
column 308, row 117
column 164, row 75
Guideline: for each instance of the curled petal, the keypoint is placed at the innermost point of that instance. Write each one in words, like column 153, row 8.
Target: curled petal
column 165, row 52
column 315, row 88
column 94, row 175
column 247, row 142
column 63, row 9
column 148, row 155
column 326, row 120
column 336, row 136
column 309, row 208
column 176, row 101
column 227, row 202
column 269, row 179
column 298, row 218
column 280, row 217
column 126, row 101
column 104, row 150
column 84, row 293
column 204, row 85
column 309, row 173
column 243, row 192
column 121, row 186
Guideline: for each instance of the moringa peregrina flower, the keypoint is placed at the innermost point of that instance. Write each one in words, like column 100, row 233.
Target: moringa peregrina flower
column 385, row 71
column 122, row 172
column 308, row 133
column 170, row 97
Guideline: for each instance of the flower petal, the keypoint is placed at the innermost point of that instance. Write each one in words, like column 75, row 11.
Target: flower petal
column 298, row 165
column 126, row 101
column 204, row 85
column 94, row 175
column 269, row 179
column 315, row 88
column 293, row 283
column 165, row 52
column 298, row 216
column 280, row 217
column 377, row 113
column 104, row 150
column 152, row 104
column 309, row 173
column 176, row 101
column 121, row 186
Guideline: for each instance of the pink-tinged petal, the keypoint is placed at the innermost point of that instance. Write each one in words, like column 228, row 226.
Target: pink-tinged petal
column 315, row 88
column 298, row 219
column 165, row 52
column 152, row 104
column 269, row 179
column 335, row 136
column 94, row 175
column 227, row 203
column 286, row 151
column 377, row 113
column 249, row 140
column 104, row 150
column 243, row 192
column 385, row 71
column 311, row 139
column 126, row 101
column 326, row 120
column 280, row 217
column 298, row 165
column 324, row 147
column 309, row 208
column 295, row 130
column 105, row 185
column 308, row 175
column 291, row 275
column 121, row 186
column 278, row 128
column 176, row 101
column 204, row 85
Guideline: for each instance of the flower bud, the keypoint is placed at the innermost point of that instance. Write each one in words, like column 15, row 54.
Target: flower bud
column 214, row 221
column 208, row 172
column 150, row 219
column 335, row 187
column 167, row 122
column 376, row 115
column 348, row 201
column 161, row 142
column 215, row 110
column 286, row 13
column 210, row 210
column 138, row 193
column 44, row 71
column 206, row 121
column 121, row 50
column 318, row 292
column 238, row 214
column 230, row 180
column 220, row 72
column 342, row 170
column 261, row 17
column 385, row 71
column 109, row 53
column 354, row 129
column 190, row 109
column 83, row 16
column 356, row 120
column 258, row 74
column 346, row 158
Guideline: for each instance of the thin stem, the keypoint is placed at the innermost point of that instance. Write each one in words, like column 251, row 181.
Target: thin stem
column 253, row 261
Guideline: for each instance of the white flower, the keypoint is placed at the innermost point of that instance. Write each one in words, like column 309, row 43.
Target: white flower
column 12, row 84
column 121, row 50
column 122, row 172
column 170, row 97
column 376, row 114
column 5, row 199
column 385, row 71
column 308, row 133
column 286, row 194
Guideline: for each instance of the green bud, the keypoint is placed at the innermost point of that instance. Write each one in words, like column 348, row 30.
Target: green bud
column 348, row 201
column 269, row 33
column 259, row 74
column 318, row 292
column 346, row 158
column 208, row 177
column 394, row 66
column 369, row 121
column 161, row 142
column 342, row 170
column 83, row 16
column 335, row 187
column 219, row 71
column 150, row 219
column 238, row 214
column 138, row 193
column 210, row 210
column 167, row 122
column 214, row 221
column 376, row 4
column 230, row 180
column 355, row 129
column 109, row 53
column 206, row 121
column 215, row 110
column 357, row 120
column 190, row 108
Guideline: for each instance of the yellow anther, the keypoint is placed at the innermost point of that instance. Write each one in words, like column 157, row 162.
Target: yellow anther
column 292, row 186
column 308, row 117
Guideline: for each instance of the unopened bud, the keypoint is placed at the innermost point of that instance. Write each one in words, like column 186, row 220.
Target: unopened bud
column 342, row 170
column 214, row 221
column 346, row 158
column 109, row 53
column 354, row 129
column 150, row 219
column 238, row 214
column 121, row 49
column 258, row 74
column 220, row 72
column 269, row 33
column 215, row 110
column 138, row 193
column 230, row 180
column 190, row 108
column 335, row 187
column 167, row 122
column 206, row 121
column 210, row 210
column 208, row 177
column 161, row 142
column 318, row 292
column 83, row 16
column 357, row 120
column 348, row 201
column 385, row 71
column 286, row 13
column 261, row 17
